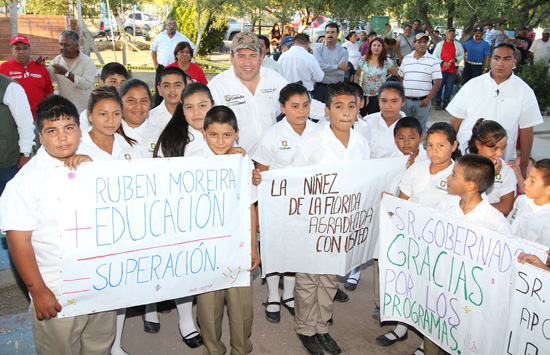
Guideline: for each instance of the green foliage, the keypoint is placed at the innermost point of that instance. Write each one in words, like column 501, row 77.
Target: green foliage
column 59, row 7
column 212, row 39
column 538, row 78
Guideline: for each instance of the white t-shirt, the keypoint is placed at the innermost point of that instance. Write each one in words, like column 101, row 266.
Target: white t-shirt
column 85, row 125
column 279, row 144
column 379, row 135
column 196, row 143
column 322, row 147
column 146, row 136
column 483, row 214
column 121, row 149
column 160, row 116
column 423, row 187
column 505, row 182
column 541, row 51
column 530, row 221
column 422, row 154
column 353, row 53
column 512, row 104
column 298, row 64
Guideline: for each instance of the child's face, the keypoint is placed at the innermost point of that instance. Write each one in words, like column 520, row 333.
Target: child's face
column 106, row 117
column 195, row 108
column 493, row 153
column 439, row 148
column 296, row 109
column 60, row 138
column 501, row 27
column 408, row 140
column 136, row 104
column 342, row 112
column 114, row 80
column 456, row 184
column 534, row 185
column 220, row 137
column 170, row 88
column 390, row 104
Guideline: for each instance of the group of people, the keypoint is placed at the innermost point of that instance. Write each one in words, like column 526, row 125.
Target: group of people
column 251, row 109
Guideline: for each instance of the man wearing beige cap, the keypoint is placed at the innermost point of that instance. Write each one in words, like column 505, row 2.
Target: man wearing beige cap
column 251, row 91
column 33, row 77
column 540, row 50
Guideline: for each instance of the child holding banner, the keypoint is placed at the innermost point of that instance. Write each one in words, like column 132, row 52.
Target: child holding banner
column 337, row 142
column 530, row 217
column 221, row 132
column 275, row 151
column 33, row 236
column 489, row 139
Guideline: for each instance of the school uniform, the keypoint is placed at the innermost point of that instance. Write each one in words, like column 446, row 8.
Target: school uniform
column 26, row 205
column 160, row 116
column 196, row 144
column 122, row 150
column 379, row 135
column 505, row 182
column 210, row 306
column 85, row 125
column 422, row 154
column 146, row 135
column 423, row 187
column 279, row 144
column 529, row 221
column 314, row 294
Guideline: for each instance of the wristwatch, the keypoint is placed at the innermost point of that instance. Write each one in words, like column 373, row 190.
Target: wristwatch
column 67, row 74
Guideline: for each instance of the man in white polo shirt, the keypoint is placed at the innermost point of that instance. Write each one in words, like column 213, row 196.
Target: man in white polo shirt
column 251, row 91
column 418, row 69
column 300, row 65
column 498, row 96
column 162, row 49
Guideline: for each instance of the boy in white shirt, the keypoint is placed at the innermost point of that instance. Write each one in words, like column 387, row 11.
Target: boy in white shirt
column 171, row 84
column 34, row 241
column 337, row 142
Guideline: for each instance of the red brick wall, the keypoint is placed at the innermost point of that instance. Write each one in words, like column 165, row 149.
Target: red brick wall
column 41, row 30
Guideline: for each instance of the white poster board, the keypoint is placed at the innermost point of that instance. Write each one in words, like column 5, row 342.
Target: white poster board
column 138, row 232
column 448, row 278
column 323, row 219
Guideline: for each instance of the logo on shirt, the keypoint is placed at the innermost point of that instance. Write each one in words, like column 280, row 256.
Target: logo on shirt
column 284, row 146
column 498, row 177
column 229, row 98
column 234, row 100
column 268, row 91
column 152, row 149
column 127, row 157
column 442, row 185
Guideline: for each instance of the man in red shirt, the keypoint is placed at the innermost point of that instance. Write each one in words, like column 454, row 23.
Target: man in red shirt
column 450, row 53
column 33, row 77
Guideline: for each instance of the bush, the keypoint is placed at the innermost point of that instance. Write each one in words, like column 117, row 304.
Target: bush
column 538, row 78
column 212, row 38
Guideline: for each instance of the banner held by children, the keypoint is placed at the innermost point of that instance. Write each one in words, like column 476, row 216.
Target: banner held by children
column 448, row 278
column 142, row 231
column 323, row 219
column 528, row 329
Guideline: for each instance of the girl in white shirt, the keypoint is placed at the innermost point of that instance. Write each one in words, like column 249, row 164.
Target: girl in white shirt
column 489, row 139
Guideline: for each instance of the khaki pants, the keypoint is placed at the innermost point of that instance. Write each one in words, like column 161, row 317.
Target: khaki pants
column 210, row 307
column 313, row 302
column 90, row 334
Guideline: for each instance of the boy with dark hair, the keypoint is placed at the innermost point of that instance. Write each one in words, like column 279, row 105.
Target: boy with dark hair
column 336, row 142
column 221, row 131
column 172, row 81
column 408, row 138
column 33, row 236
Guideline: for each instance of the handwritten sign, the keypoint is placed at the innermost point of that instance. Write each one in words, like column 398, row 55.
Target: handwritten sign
column 323, row 219
column 446, row 277
column 142, row 231
column 528, row 329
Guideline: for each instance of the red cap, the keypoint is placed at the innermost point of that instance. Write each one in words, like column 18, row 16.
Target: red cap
column 19, row 38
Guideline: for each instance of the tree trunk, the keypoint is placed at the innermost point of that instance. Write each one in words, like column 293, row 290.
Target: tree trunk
column 451, row 5
column 13, row 18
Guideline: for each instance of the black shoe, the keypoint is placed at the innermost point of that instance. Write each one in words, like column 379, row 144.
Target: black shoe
column 311, row 344
column 330, row 321
column 193, row 342
column 273, row 317
column 150, row 327
column 350, row 285
column 328, row 343
column 444, row 105
column 284, row 303
column 438, row 106
column 384, row 341
column 341, row 296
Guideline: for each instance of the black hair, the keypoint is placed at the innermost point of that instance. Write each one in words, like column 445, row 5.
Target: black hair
column 487, row 133
column 371, row 33
column 449, row 131
column 337, row 90
column 171, row 71
column 478, row 169
column 351, row 33
column 108, row 93
column 392, row 85
column 221, row 115
column 333, row 25
column 407, row 122
column 113, row 68
column 544, row 166
column 292, row 89
column 357, row 89
column 134, row 83
column 407, row 26
column 55, row 108
column 301, row 38
column 181, row 46
column 194, row 88
column 265, row 39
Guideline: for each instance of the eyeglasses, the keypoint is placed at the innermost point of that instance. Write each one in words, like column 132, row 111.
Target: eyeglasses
column 506, row 44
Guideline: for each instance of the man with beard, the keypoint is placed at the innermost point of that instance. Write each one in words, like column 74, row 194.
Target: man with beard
column 162, row 49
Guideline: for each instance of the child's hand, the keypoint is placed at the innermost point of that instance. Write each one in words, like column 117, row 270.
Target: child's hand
column 256, row 177
column 512, row 164
column 45, row 304
column 410, row 161
column 533, row 260
column 237, row 150
column 255, row 260
column 76, row 160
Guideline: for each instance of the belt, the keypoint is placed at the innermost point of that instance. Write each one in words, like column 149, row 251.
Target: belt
column 416, row 98
column 474, row 63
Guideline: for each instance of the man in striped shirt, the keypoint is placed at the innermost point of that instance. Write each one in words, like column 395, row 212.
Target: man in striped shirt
column 421, row 77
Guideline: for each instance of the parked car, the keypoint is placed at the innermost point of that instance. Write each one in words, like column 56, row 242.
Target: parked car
column 234, row 26
column 144, row 23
